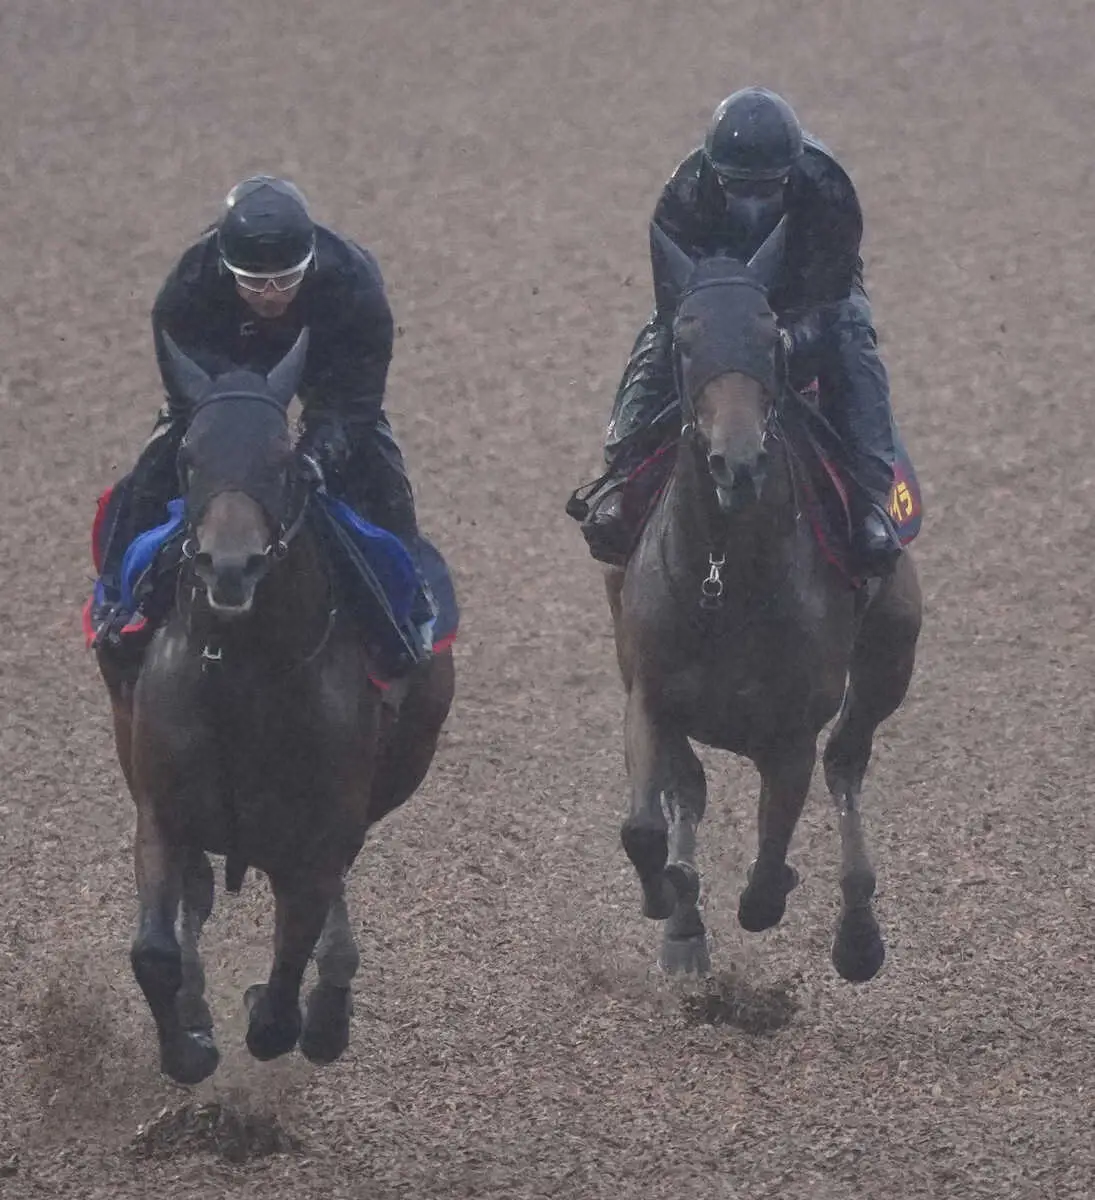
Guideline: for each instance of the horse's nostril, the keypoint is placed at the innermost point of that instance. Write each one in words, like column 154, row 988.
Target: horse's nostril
column 254, row 565
column 229, row 589
column 720, row 470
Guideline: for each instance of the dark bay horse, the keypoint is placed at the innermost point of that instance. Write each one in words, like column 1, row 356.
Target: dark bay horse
column 251, row 729
column 734, row 629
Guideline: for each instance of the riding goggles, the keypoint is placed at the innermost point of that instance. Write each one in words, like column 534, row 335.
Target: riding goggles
column 282, row 281
column 751, row 189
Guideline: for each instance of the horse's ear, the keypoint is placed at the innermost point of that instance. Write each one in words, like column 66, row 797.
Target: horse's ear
column 765, row 264
column 285, row 377
column 672, row 267
column 189, row 380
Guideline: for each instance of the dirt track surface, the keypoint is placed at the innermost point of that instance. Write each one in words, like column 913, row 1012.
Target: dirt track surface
column 510, row 1038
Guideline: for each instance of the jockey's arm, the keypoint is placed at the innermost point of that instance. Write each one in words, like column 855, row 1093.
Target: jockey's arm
column 174, row 313
column 672, row 217
column 344, row 398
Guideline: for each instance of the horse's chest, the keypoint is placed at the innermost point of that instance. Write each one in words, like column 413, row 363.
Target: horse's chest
column 280, row 743
column 739, row 692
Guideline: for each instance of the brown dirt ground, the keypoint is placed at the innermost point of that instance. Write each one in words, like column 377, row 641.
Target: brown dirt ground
column 510, row 1038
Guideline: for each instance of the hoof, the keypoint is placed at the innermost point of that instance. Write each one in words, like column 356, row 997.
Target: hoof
column 764, row 900
column 189, row 1057
column 270, row 1032
column 858, row 948
column 326, row 1032
column 685, row 955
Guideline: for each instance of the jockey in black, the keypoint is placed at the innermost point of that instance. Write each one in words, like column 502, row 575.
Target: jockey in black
column 239, row 297
column 756, row 166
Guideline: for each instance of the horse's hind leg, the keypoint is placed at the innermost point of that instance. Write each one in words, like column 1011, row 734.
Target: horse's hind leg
column 409, row 748
column 879, row 674
column 326, row 1032
column 785, row 771
column 684, row 941
column 197, row 906
column 301, row 905
column 645, row 833
column 155, row 954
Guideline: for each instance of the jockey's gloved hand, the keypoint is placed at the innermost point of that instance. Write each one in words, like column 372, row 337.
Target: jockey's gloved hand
column 804, row 337
column 325, row 448
column 315, row 469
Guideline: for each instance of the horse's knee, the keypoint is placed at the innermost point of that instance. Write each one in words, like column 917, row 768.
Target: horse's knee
column 198, row 886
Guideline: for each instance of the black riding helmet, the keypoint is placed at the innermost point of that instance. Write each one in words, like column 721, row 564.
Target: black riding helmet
column 754, row 136
column 265, row 227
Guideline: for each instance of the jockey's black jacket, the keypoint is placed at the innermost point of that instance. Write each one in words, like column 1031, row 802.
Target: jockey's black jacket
column 343, row 303
column 824, row 228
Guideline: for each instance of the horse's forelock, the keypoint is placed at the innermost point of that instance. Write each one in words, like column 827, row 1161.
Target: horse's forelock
column 730, row 328
column 237, row 382
column 238, row 441
column 720, row 267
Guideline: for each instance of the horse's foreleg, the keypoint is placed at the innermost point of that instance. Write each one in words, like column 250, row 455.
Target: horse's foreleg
column 301, row 906
column 645, row 833
column 684, row 943
column 155, row 954
column 326, row 1032
column 197, row 906
column 879, row 675
column 121, row 704
column 614, row 586
column 785, row 773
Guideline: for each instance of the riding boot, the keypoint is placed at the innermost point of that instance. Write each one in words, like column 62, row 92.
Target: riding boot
column 644, row 411
column 855, row 396
column 377, row 485
column 137, row 504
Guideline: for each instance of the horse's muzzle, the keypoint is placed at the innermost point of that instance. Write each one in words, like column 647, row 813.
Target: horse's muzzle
column 230, row 581
column 736, row 486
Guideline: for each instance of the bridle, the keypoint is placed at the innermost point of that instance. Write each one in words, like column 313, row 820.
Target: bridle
column 287, row 528
column 712, row 588
column 303, row 482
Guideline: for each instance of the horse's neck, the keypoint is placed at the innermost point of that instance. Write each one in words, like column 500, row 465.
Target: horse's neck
column 299, row 596
column 755, row 541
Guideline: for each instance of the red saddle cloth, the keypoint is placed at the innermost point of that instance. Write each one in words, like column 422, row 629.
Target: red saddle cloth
column 824, row 489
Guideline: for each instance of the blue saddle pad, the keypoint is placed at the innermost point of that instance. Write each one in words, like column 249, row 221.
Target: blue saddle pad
column 435, row 571
column 415, row 583
column 415, row 580
column 143, row 550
